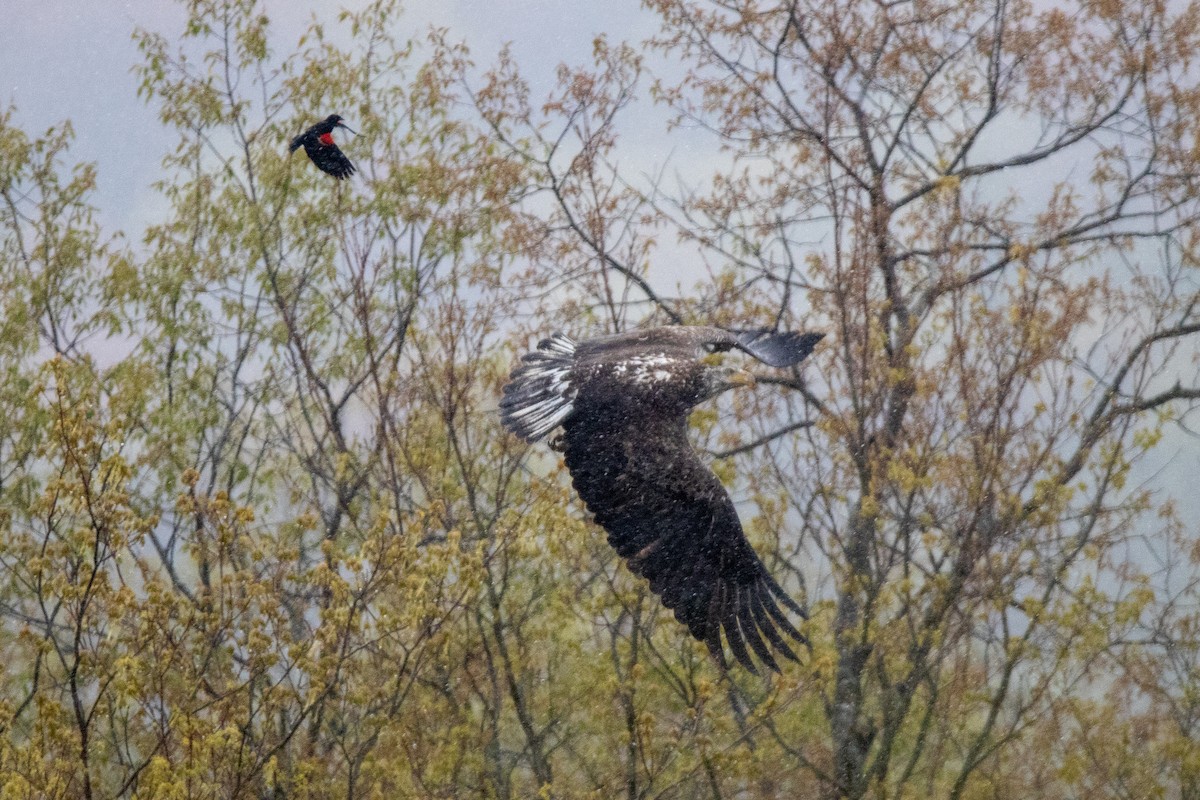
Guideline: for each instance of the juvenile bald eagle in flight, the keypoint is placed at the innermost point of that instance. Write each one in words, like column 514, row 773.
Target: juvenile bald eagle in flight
column 623, row 403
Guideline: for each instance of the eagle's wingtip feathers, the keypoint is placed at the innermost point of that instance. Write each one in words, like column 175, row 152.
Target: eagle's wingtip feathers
column 779, row 349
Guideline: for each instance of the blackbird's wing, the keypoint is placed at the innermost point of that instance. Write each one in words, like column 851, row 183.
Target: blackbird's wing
column 673, row 522
column 329, row 158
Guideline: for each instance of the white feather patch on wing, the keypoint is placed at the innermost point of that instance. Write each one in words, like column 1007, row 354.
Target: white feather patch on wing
column 648, row 368
column 539, row 394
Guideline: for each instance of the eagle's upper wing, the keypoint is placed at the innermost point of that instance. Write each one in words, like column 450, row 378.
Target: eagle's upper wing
column 671, row 519
column 773, row 348
column 329, row 158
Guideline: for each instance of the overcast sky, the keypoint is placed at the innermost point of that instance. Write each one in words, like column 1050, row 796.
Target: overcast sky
column 71, row 59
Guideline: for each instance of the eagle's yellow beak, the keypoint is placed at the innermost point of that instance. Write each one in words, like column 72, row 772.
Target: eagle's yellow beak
column 741, row 377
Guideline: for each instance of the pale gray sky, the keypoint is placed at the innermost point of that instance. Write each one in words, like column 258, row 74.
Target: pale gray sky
column 71, row 59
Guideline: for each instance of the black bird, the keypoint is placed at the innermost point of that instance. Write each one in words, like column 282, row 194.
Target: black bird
column 623, row 403
column 318, row 143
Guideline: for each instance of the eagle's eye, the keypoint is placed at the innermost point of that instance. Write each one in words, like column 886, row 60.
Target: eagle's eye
column 710, row 347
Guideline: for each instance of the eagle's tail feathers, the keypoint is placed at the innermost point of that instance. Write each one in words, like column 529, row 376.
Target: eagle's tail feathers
column 539, row 395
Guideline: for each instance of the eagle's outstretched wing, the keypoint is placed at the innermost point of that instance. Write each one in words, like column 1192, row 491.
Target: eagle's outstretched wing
column 673, row 522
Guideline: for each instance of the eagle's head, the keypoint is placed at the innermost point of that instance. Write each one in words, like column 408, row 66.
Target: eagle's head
column 713, row 380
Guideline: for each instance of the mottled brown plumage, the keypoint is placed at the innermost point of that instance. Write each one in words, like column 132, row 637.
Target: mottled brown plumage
column 623, row 402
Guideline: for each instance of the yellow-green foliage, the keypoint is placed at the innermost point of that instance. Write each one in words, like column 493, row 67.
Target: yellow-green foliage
column 261, row 534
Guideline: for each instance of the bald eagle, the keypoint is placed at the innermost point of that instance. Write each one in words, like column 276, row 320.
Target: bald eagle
column 623, row 403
